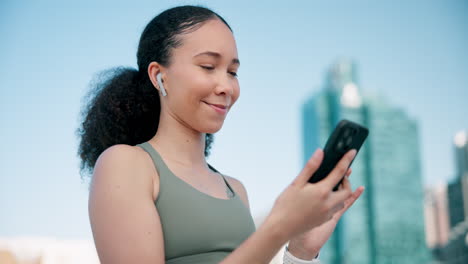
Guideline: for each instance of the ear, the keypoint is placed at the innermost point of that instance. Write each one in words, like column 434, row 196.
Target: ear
column 153, row 69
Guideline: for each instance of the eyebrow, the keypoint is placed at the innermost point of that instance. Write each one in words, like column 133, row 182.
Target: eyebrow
column 217, row 55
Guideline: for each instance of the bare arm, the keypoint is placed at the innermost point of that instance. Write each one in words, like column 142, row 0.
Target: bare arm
column 125, row 223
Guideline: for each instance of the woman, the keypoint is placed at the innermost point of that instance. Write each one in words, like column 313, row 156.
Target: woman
column 145, row 135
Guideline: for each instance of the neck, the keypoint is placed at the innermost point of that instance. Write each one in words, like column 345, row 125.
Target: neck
column 177, row 142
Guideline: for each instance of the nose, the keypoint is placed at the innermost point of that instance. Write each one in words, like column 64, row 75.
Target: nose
column 225, row 85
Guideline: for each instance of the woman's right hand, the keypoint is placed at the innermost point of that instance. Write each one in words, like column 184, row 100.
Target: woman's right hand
column 303, row 205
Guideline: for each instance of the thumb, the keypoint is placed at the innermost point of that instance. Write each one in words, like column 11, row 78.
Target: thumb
column 310, row 167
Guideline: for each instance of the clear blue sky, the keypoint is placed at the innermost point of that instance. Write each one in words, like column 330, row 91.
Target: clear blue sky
column 414, row 52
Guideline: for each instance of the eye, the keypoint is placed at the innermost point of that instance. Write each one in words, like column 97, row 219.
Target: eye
column 210, row 68
column 206, row 67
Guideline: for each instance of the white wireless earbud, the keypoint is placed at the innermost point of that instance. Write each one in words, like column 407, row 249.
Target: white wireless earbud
column 161, row 86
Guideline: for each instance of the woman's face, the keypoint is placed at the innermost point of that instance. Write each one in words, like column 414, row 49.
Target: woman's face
column 201, row 80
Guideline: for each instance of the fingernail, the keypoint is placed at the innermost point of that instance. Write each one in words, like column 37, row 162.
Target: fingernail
column 353, row 153
column 316, row 153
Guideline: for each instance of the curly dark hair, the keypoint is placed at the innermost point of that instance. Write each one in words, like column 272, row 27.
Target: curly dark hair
column 122, row 106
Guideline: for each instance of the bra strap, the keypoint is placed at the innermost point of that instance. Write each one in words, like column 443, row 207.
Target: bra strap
column 157, row 160
column 227, row 183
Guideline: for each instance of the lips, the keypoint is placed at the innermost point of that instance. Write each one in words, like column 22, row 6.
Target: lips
column 220, row 108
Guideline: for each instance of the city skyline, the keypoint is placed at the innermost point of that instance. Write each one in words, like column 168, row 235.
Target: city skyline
column 446, row 210
column 387, row 223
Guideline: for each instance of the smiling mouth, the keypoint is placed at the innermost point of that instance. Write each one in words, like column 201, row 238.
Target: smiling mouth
column 218, row 105
column 222, row 109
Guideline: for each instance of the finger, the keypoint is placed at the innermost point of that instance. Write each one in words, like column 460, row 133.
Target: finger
column 349, row 202
column 356, row 194
column 346, row 183
column 340, row 170
column 349, row 172
column 310, row 167
column 341, row 195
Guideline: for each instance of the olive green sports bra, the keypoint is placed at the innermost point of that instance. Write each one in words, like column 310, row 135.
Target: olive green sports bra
column 197, row 227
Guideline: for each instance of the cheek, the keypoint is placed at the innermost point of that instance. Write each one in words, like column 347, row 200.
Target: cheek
column 190, row 86
column 202, row 85
column 236, row 93
column 193, row 79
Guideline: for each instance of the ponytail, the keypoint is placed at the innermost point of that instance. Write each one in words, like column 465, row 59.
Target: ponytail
column 122, row 107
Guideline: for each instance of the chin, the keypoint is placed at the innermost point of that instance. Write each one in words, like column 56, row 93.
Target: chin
column 212, row 128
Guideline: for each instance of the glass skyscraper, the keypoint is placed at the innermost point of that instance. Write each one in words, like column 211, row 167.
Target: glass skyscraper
column 386, row 225
column 456, row 249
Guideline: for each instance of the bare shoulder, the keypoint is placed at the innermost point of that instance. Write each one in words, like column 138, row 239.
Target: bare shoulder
column 239, row 188
column 124, row 164
column 115, row 154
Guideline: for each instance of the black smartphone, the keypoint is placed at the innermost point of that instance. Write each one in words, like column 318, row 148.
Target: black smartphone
column 346, row 136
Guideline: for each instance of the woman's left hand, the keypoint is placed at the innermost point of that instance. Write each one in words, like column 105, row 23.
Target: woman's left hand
column 308, row 244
